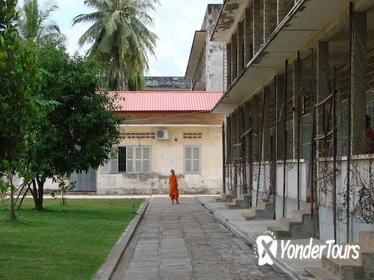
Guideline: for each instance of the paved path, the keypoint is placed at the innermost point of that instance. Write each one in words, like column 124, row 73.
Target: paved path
column 180, row 242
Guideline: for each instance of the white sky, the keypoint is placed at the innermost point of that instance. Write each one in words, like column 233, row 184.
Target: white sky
column 175, row 24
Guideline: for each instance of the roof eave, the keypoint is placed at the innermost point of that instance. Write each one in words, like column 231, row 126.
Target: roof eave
column 228, row 19
column 196, row 50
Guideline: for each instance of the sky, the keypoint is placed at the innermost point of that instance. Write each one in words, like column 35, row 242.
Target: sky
column 175, row 22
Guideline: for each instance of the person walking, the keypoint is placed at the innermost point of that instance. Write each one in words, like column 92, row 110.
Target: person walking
column 173, row 187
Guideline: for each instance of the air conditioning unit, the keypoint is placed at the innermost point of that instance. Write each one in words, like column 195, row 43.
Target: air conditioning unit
column 162, row 135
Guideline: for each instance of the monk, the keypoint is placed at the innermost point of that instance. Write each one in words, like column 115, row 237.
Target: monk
column 173, row 187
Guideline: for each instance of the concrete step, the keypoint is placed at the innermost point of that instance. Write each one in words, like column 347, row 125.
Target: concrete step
column 321, row 273
column 242, row 203
column 300, row 226
column 367, row 238
column 279, row 231
column 344, row 269
column 264, row 212
column 300, row 214
column 224, row 198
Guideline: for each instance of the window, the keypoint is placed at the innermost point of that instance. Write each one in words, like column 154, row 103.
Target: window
column 122, row 159
column 192, row 159
column 138, row 159
column 307, row 138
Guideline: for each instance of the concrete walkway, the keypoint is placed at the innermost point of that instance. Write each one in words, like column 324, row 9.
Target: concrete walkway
column 185, row 241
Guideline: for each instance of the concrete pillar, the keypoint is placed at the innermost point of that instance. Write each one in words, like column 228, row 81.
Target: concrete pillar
column 247, row 126
column 234, row 57
column 240, row 40
column 281, row 10
column 270, row 17
column 323, row 74
column 266, row 139
column 296, row 120
column 228, row 140
column 228, row 65
column 233, row 149
column 359, row 82
column 258, row 24
column 255, row 112
column 248, row 39
column 280, row 129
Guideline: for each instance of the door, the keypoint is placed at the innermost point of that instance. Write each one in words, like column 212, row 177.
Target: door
column 86, row 181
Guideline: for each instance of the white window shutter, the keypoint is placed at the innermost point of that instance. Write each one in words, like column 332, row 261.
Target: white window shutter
column 106, row 167
column 114, row 162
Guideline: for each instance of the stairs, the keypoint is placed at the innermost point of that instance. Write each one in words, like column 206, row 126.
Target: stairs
column 242, row 203
column 299, row 226
column 351, row 269
column 263, row 211
column 224, row 198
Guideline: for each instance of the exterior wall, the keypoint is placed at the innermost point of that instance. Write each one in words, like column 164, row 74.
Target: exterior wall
column 323, row 65
column 209, row 71
column 166, row 155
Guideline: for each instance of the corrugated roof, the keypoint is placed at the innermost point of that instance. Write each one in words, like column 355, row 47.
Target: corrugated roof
column 167, row 101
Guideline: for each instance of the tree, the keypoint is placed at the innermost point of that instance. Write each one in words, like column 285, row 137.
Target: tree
column 120, row 38
column 76, row 125
column 35, row 24
column 18, row 80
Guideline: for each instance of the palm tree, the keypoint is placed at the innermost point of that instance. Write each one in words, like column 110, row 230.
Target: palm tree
column 35, row 24
column 121, row 39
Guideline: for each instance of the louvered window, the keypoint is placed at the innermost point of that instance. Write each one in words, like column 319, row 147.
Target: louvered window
column 192, row 159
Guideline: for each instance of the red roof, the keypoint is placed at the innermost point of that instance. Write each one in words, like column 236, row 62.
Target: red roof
column 167, row 101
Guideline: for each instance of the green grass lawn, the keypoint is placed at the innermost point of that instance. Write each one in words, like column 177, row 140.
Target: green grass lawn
column 63, row 242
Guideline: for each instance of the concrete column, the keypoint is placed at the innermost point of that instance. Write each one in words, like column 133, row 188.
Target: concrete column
column 270, row 17
column 323, row 74
column 280, row 129
column 296, row 105
column 233, row 149
column 281, row 10
column 247, row 126
column 266, row 139
column 359, row 82
column 228, row 65
column 248, row 39
column 258, row 24
column 240, row 39
column 234, row 57
column 255, row 112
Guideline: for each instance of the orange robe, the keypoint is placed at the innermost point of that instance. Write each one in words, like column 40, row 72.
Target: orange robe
column 173, row 187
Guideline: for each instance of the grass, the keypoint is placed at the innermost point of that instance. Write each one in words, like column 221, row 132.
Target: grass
column 62, row 242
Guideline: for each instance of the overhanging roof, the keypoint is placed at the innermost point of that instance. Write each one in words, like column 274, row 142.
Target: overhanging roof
column 292, row 34
column 228, row 20
column 165, row 101
column 196, row 50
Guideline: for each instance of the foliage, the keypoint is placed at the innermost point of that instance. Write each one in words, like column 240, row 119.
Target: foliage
column 64, row 186
column 65, row 242
column 120, row 38
column 35, row 24
column 76, row 126
column 18, row 80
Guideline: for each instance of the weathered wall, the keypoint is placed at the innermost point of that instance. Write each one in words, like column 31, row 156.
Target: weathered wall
column 166, row 155
column 213, row 51
column 167, row 83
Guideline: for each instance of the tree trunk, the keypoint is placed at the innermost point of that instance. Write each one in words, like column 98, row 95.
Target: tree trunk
column 12, row 201
column 37, row 193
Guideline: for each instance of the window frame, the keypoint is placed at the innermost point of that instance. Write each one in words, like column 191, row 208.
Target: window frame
column 192, row 159
column 134, row 159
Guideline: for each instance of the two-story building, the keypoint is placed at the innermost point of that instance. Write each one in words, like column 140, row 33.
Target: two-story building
column 299, row 99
